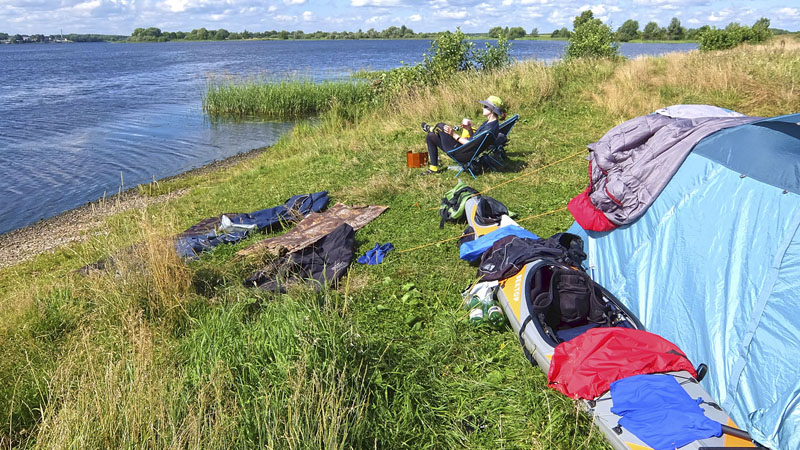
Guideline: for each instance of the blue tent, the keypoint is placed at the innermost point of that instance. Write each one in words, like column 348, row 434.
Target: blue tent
column 714, row 266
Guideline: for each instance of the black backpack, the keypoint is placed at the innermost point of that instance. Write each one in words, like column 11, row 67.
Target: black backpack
column 563, row 297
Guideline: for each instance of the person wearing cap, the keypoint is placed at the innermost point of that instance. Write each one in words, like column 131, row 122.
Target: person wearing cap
column 446, row 138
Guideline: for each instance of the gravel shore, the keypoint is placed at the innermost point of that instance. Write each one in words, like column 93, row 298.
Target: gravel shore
column 71, row 226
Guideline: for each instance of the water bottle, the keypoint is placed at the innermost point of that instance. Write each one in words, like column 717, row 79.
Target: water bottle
column 476, row 316
column 495, row 317
column 473, row 301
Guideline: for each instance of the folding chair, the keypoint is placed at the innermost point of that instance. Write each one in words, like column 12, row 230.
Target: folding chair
column 497, row 153
column 466, row 154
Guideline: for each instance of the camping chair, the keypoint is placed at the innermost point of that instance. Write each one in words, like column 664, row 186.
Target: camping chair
column 497, row 153
column 467, row 155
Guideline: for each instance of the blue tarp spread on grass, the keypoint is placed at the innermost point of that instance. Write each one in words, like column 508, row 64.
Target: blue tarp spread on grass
column 714, row 266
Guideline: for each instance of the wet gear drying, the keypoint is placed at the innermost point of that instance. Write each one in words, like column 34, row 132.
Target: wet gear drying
column 321, row 264
column 586, row 366
column 204, row 236
column 657, row 410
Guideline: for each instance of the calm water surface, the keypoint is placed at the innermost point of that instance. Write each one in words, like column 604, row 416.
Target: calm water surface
column 81, row 121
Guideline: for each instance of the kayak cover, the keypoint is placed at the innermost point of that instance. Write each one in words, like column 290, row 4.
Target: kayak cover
column 585, row 366
column 659, row 412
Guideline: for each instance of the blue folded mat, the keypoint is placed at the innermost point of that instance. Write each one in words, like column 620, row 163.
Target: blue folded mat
column 472, row 250
column 659, row 412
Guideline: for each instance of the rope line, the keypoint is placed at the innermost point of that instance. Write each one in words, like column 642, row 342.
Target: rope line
column 459, row 237
column 538, row 169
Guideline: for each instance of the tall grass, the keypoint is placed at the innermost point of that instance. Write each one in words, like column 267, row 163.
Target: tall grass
column 153, row 352
column 286, row 99
column 757, row 80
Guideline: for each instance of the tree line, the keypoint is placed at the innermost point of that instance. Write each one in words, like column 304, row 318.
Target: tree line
column 154, row 34
column 593, row 38
column 43, row 38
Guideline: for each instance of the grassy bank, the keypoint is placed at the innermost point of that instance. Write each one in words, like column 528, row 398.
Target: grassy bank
column 154, row 353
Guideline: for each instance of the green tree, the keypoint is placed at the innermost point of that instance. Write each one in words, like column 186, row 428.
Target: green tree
column 562, row 33
column 584, row 17
column 675, row 31
column 591, row 38
column 221, row 34
column 652, row 31
column 515, row 33
column 535, row 32
column 495, row 32
column 3, row 36
column 760, row 30
column 628, row 31
column 283, row 34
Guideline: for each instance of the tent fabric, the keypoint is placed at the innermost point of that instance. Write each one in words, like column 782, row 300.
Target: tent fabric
column 204, row 235
column 472, row 250
column 633, row 161
column 319, row 265
column 313, row 227
column 714, row 266
column 659, row 412
column 585, row 366
column 776, row 164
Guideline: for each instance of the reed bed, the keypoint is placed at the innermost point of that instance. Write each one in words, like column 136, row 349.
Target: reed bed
column 285, row 99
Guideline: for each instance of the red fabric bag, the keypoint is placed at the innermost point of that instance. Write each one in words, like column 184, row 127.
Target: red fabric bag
column 587, row 216
column 585, row 366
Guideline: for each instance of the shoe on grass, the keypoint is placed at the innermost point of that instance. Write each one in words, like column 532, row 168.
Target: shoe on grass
column 432, row 170
column 426, row 128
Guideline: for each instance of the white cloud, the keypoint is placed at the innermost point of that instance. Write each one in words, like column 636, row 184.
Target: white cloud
column 713, row 17
column 272, row 8
column 449, row 14
column 614, row 9
column 176, row 5
column 693, row 21
column 508, row 2
column 415, row 17
column 376, row 19
column 294, row 2
column 87, row 6
column 284, row 18
column 792, row 13
column 308, row 16
column 380, row 3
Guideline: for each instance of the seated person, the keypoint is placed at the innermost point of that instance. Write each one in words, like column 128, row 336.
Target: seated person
column 446, row 138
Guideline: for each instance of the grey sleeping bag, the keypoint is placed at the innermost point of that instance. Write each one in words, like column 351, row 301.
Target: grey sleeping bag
column 633, row 162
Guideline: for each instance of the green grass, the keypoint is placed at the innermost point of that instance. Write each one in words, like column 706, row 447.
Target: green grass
column 282, row 99
column 157, row 354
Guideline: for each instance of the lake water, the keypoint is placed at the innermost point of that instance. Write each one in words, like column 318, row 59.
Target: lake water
column 81, row 121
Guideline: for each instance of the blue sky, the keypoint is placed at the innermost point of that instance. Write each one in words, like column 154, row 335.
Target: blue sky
column 122, row 16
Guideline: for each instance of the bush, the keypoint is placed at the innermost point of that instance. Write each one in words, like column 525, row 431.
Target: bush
column 591, row 38
column 735, row 34
column 449, row 54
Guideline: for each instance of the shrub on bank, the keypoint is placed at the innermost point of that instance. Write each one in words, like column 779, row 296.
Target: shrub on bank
column 735, row 34
column 591, row 39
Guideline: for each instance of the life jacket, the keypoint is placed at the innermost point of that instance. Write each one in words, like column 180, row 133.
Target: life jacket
column 452, row 207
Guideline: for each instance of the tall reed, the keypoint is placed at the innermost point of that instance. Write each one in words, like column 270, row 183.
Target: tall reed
column 286, row 99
